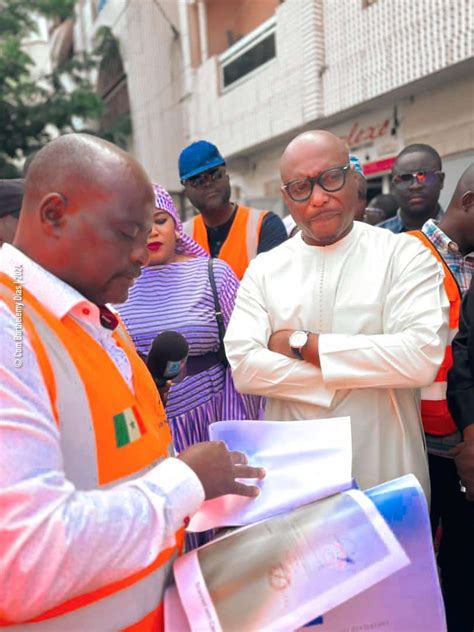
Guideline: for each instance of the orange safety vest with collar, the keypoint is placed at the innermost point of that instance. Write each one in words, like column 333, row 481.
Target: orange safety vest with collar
column 437, row 419
column 122, row 436
column 241, row 244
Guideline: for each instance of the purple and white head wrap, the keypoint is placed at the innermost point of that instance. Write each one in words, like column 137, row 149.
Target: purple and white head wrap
column 185, row 245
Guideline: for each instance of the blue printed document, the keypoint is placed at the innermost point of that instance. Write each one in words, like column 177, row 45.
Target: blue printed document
column 277, row 574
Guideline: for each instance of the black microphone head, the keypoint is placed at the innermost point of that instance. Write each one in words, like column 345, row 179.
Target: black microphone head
column 167, row 356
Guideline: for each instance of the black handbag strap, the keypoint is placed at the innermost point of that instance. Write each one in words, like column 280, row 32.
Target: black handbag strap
column 218, row 312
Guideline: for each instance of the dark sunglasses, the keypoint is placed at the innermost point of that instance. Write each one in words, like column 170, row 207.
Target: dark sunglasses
column 404, row 181
column 331, row 180
column 203, row 178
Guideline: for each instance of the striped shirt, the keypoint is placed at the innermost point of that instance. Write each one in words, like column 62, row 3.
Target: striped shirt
column 178, row 297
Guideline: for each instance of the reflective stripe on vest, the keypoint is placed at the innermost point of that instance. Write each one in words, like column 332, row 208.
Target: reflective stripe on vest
column 437, row 419
column 120, row 610
column 241, row 244
column 254, row 226
column 77, row 373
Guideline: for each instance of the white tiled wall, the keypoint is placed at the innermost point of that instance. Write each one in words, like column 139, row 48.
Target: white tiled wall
column 282, row 95
column 389, row 44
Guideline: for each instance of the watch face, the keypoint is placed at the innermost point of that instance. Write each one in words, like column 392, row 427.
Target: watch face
column 298, row 339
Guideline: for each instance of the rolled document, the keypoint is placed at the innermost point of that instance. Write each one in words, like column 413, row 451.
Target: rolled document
column 278, row 574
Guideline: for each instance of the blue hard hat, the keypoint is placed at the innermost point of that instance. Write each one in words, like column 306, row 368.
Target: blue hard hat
column 198, row 157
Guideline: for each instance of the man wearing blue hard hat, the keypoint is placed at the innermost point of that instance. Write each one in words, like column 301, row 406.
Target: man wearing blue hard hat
column 224, row 229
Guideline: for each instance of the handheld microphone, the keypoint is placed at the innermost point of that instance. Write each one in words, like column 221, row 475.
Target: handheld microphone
column 167, row 357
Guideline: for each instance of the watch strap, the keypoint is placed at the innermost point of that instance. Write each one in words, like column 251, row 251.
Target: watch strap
column 296, row 352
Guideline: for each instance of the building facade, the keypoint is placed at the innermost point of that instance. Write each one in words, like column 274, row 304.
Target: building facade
column 249, row 75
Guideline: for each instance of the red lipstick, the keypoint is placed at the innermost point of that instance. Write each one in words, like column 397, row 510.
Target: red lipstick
column 154, row 246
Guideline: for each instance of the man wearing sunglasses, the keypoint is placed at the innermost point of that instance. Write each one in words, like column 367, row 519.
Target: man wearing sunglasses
column 417, row 180
column 224, row 229
column 452, row 242
column 343, row 319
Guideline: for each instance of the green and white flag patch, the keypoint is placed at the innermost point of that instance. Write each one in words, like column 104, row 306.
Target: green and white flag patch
column 128, row 427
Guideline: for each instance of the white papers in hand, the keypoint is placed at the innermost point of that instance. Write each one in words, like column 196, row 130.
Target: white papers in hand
column 304, row 460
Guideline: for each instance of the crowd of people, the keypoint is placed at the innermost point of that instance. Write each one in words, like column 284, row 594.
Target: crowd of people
column 352, row 308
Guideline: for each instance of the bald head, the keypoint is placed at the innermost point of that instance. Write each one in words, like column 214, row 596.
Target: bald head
column 458, row 221
column 87, row 210
column 77, row 163
column 315, row 142
column 465, row 184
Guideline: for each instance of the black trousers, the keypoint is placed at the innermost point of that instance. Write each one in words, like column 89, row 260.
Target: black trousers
column 456, row 552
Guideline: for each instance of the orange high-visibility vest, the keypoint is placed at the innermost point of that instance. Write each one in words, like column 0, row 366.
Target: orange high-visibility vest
column 241, row 244
column 89, row 399
column 437, row 419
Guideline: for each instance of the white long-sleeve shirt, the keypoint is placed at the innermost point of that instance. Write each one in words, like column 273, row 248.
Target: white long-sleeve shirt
column 55, row 541
column 378, row 303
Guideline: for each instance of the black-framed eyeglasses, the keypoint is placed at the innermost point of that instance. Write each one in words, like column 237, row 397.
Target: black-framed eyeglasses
column 331, row 180
column 403, row 181
column 208, row 176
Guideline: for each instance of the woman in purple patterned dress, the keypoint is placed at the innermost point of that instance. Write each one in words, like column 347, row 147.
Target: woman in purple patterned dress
column 174, row 293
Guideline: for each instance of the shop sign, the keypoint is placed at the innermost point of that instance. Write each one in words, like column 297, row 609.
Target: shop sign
column 360, row 135
column 370, row 138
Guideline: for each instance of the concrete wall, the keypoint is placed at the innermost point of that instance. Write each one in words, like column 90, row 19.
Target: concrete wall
column 37, row 47
column 152, row 58
column 443, row 117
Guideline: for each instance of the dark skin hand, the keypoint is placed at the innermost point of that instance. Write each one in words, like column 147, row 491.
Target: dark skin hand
column 217, row 468
column 163, row 391
column 463, row 455
column 279, row 343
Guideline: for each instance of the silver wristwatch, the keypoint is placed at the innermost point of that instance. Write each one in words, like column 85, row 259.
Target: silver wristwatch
column 297, row 341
